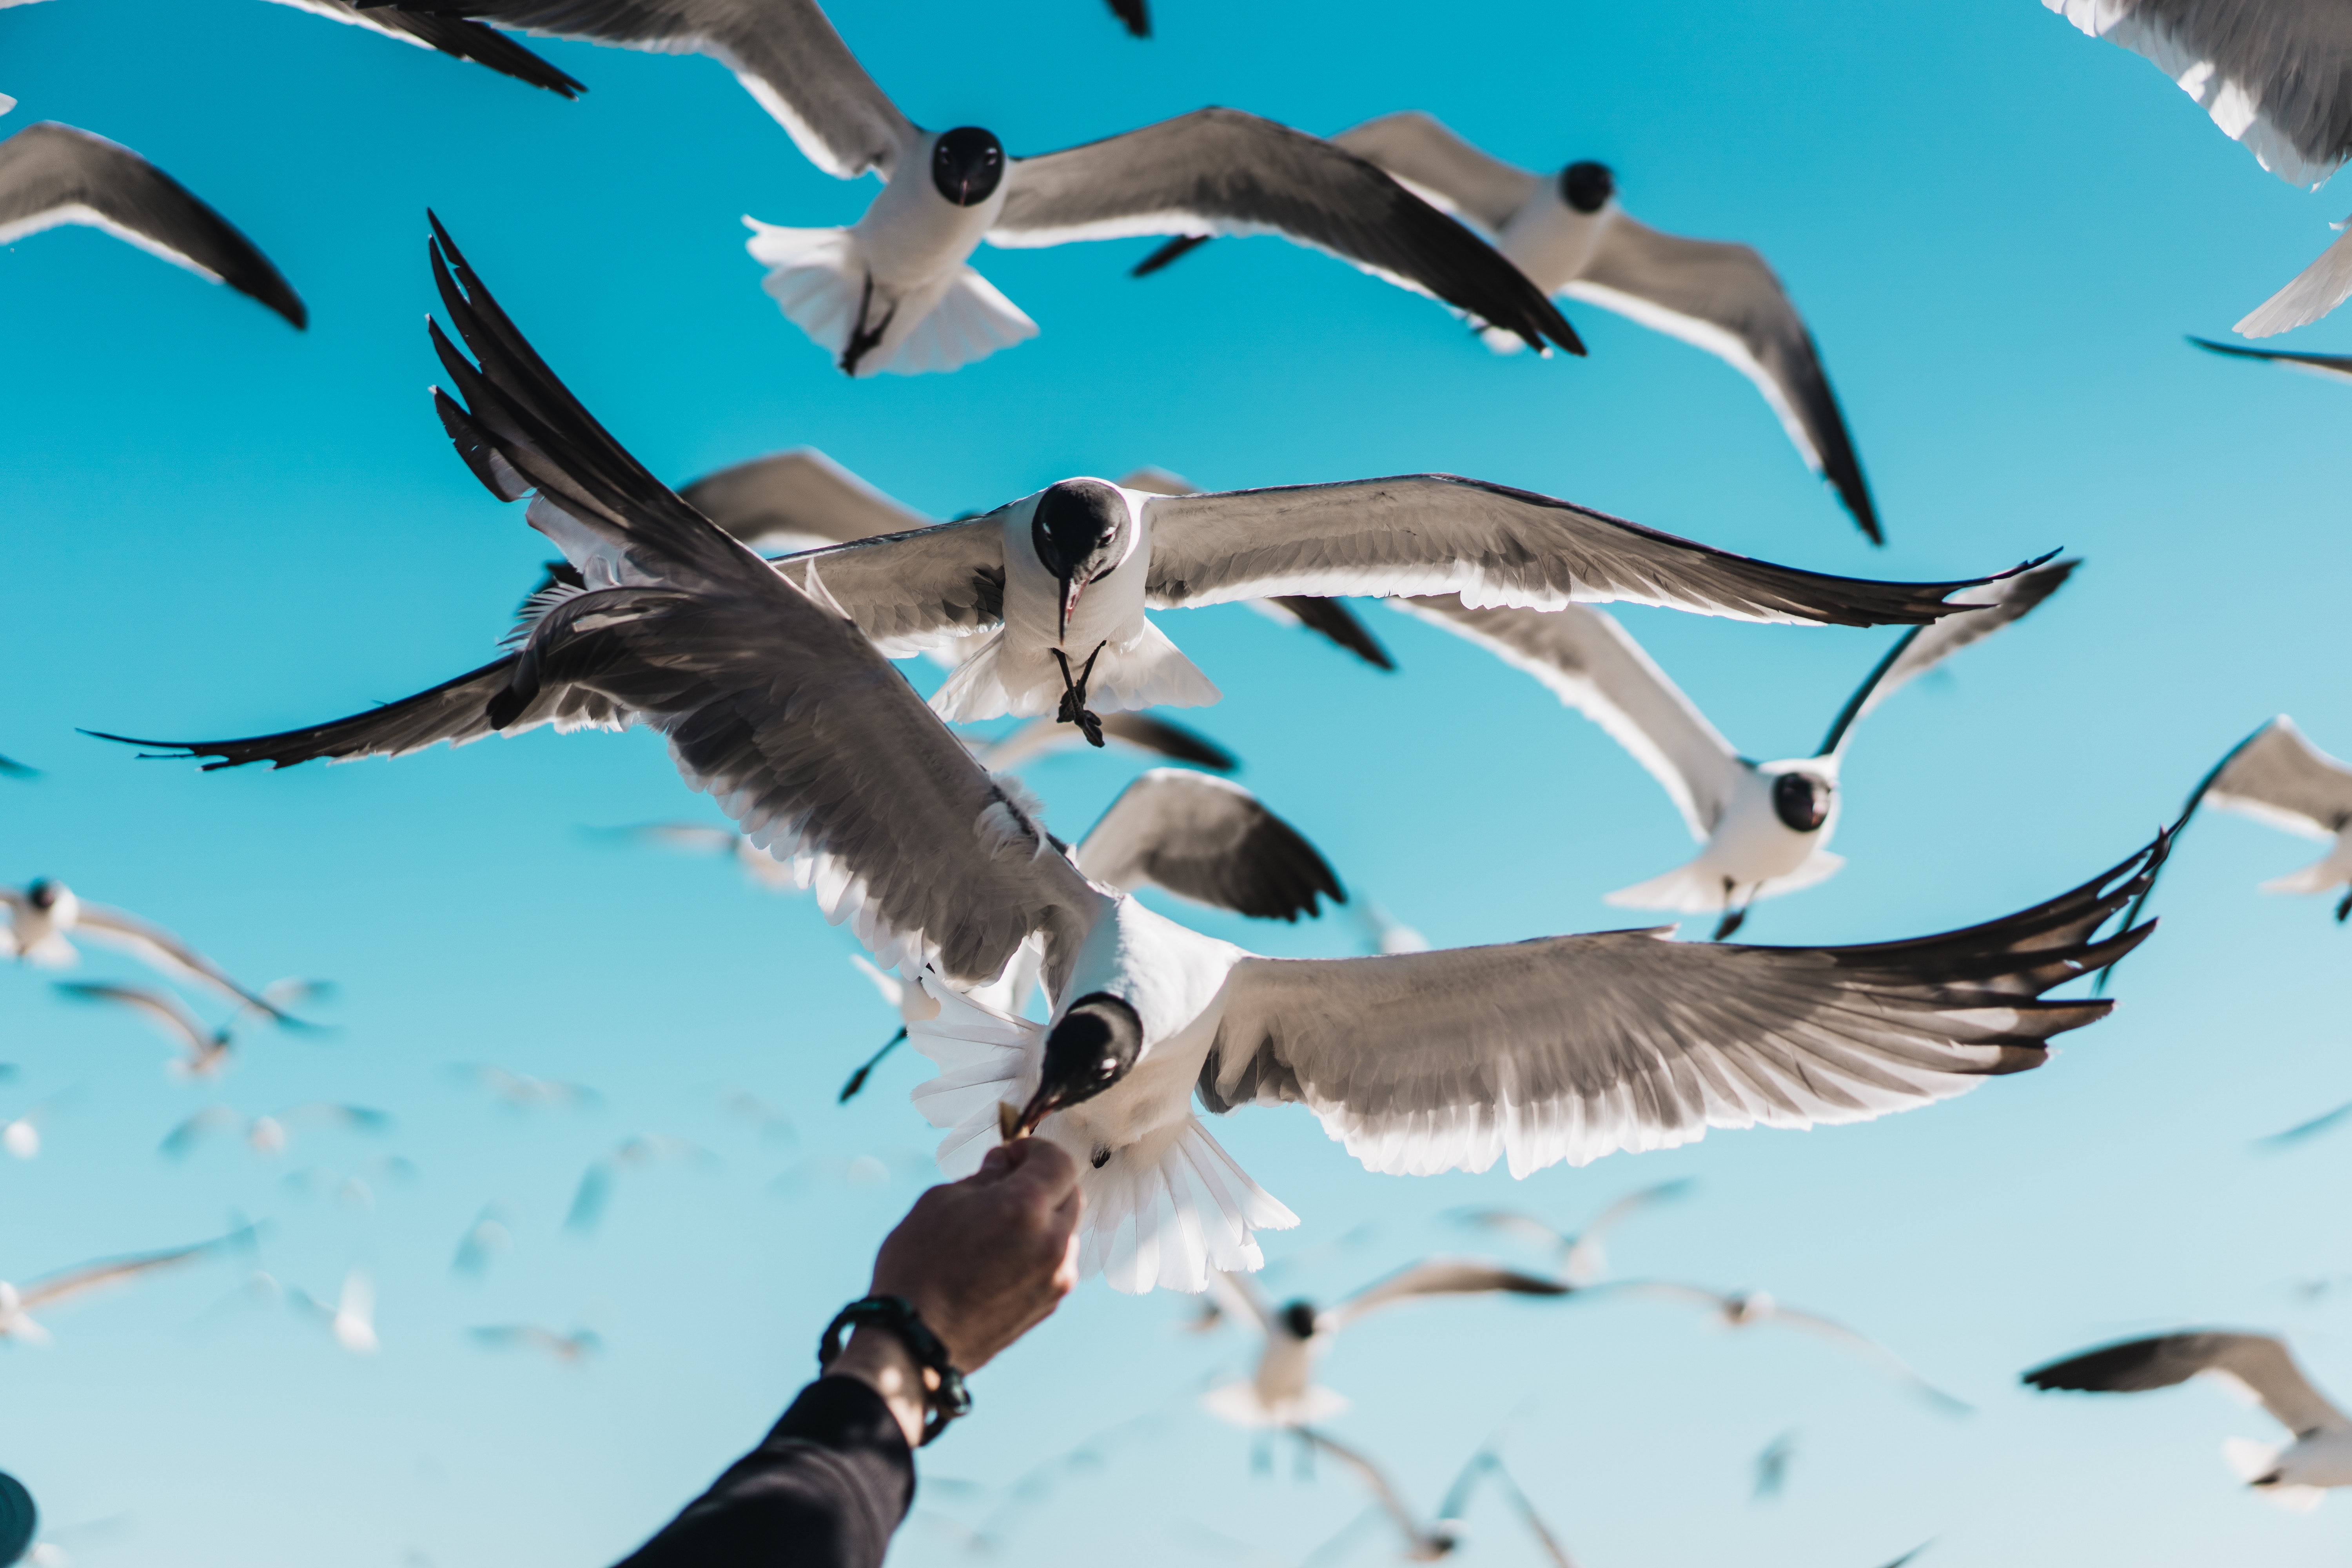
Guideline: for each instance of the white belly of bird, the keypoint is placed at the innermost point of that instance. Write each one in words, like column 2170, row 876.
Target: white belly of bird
column 1753, row 846
column 1550, row 241
column 912, row 239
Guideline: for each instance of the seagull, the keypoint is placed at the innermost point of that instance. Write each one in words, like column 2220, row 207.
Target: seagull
column 1281, row 1392
column 1765, row 827
column 18, row 1303
column 779, row 705
column 52, row 174
column 45, row 911
column 351, row 1319
column 573, row 1348
column 2294, row 1475
column 1582, row 1261
column 1385, row 934
column 2276, row 76
column 486, row 1239
column 2279, row 778
column 208, row 1049
column 1746, row 1309
column 521, row 1091
column 595, row 1189
column 1568, row 234
column 1422, row 1543
column 267, row 1135
column 893, row 292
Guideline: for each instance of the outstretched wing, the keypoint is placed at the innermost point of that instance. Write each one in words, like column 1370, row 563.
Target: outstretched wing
column 795, row 501
column 1725, row 299
column 1573, row 1047
column 159, row 949
column 1438, row 1276
column 2282, row 779
column 1218, row 170
column 1439, row 534
column 2258, row 1363
column 451, row 35
column 167, row 1012
column 1208, row 839
column 70, row 1282
column 52, row 174
column 1871, row 1351
column 1433, row 161
column 1594, row 665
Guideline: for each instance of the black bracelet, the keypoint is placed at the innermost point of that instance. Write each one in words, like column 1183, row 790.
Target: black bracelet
column 897, row 1314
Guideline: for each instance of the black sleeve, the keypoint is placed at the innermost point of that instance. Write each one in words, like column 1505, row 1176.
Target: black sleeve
column 826, row 1489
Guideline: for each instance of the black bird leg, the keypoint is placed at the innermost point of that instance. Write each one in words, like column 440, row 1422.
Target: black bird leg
column 2344, row 909
column 858, row 1079
column 861, row 342
column 1074, row 709
column 1733, row 918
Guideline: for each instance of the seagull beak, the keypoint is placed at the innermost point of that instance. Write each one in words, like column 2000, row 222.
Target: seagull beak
column 1012, row 1124
column 1071, row 588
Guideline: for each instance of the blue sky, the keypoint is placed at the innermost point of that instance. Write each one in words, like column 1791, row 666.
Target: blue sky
column 1999, row 230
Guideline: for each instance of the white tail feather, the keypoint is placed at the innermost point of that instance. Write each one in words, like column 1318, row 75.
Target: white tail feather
column 1148, row 672
column 2250, row 1461
column 2315, row 291
column 818, row 278
column 1697, row 888
column 972, row 320
column 1237, row 1402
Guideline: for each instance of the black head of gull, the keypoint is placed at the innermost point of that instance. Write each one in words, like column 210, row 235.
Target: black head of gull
column 967, row 165
column 1097, row 1043
column 42, row 893
column 1079, row 531
column 1299, row 1317
column 1587, row 187
column 1801, row 801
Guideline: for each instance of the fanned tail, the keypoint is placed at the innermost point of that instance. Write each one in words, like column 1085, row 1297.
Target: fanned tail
column 1697, row 888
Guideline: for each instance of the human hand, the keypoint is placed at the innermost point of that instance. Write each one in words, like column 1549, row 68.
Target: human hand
column 988, row 1258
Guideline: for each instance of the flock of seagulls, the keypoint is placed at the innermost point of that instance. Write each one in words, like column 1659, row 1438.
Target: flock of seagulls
column 752, row 617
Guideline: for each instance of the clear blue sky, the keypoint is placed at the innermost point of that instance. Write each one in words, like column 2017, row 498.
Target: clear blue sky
column 1999, row 229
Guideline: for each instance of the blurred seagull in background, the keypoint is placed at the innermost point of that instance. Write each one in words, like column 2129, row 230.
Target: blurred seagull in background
column 487, row 1239
column 639, row 1154
column 1137, row 732
column 53, row 174
column 1765, row 827
column 521, row 1091
column 45, row 911
column 2276, row 76
column 22, row 1136
column 2294, row 1475
column 573, row 1348
column 1422, row 1543
column 1746, row 1309
column 18, row 1303
column 2326, row 1120
column 783, row 709
column 1568, row 235
column 1581, row 1259
column 893, row 292
column 701, row 839
column 351, row 1319
column 268, row 1136
column 1772, row 1468
column 1280, row 1391
column 207, row 1050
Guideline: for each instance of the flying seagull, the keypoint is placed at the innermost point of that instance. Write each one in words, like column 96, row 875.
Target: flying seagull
column 1431, row 1543
column 1764, row 827
column 52, row 174
column 779, row 705
column 268, row 1135
column 2294, row 1475
column 18, row 1303
column 521, row 1091
column 1746, row 1308
column 207, row 1050
column 351, row 1319
column 1581, row 1259
column 1568, row 234
column 2279, row 778
column 1280, row 1391
column 894, row 290
column 573, row 1348
column 637, row 1153
column 45, row 912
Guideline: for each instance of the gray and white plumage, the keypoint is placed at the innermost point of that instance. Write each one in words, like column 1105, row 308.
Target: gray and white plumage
column 2259, row 1365
column 1568, row 234
column 18, row 1303
column 779, row 705
column 45, row 913
column 1579, row 1255
column 206, row 1050
column 1746, row 1309
column 1209, row 840
column 2276, row 75
column 894, row 290
column 53, row 174
column 2279, row 779
column 452, row 35
column 1764, row 828
column 350, row 1319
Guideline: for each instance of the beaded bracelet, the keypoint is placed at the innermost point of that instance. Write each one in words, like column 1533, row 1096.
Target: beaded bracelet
column 898, row 1315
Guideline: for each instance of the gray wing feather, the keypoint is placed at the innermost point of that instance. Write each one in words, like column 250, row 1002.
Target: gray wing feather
column 1439, row 534
column 914, row 590
column 1573, row 1047
column 1439, row 1276
column 1594, row 665
column 2258, row 1362
column 2282, row 779
column 52, row 174
column 1429, row 156
column 801, row 495
column 1725, row 299
column 1207, row 839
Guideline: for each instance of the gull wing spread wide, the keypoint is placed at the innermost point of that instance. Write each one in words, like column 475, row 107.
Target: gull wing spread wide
column 1439, row 534
column 451, row 35
column 2257, row 1361
column 1219, row 171
column 2276, row 75
column 2282, row 779
column 1210, row 840
column 1438, row 1276
column 66, row 1283
column 52, row 174
column 1431, row 159
column 1725, row 299
column 167, row 1012
column 1594, row 665
column 1573, row 1047
column 784, row 52
column 800, row 499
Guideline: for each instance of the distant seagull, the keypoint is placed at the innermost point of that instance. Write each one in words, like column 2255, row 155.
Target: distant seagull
column 639, row 1154
column 1431, row 1543
column 18, row 1303
column 1582, row 1261
column 1742, row 1309
column 573, row 1348
column 1764, row 826
column 19, row 1519
column 2324, row 1122
column 1772, row 1468
column 786, row 714
column 2282, row 780
column 893, row 292
column 52, row 174
column 351, row 1319
column 268, row 1136
column 522, row 1091
column 2296, row 1475
column 1281, row 1391
column 44, row 913
column 485, row 1240
column 1568, row 235
column 22, row 1137
column 207, row 1050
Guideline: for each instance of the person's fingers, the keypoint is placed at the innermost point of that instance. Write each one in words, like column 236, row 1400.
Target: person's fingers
column 1044, row 1167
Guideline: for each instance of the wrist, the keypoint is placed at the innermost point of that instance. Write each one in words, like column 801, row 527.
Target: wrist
column 922, row 1367
column 881, row 1360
